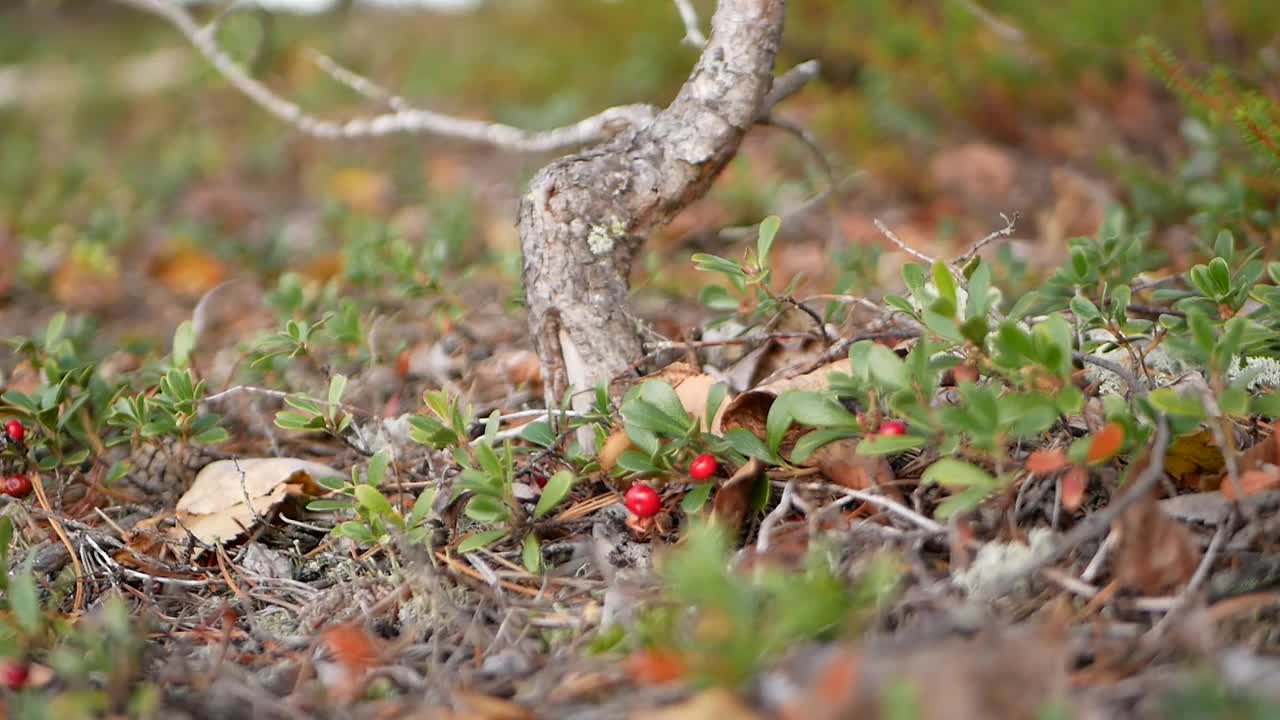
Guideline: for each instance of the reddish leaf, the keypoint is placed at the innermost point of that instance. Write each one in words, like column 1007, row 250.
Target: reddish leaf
column 656, row 667
column 1106, row 443
column 1044, row 462
column 352, row 646
column 1252, row 482
column 1074, row 483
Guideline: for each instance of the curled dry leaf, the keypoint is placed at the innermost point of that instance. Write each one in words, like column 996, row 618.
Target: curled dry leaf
column 1155, row 554
column 1195, row 461
column 228, row 495
column 842, row 464
column 1252, row 482
column 732, row 499
column 714, row 704
column 750, row 410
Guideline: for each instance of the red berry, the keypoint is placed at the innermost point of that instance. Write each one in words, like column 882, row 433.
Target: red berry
column 643, row 501
column 703, row 467
column 893, row 427
column 13, row 674
column 15, row 430
column 15, row 486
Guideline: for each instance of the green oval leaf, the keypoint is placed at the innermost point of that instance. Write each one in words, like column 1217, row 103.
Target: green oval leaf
column 558, row 487
column 481, row 540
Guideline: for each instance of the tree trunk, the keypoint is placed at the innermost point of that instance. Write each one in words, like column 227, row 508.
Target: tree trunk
column 585, row 216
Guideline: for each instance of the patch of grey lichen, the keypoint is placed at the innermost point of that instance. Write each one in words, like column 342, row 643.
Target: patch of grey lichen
column 995, row 562
column 1262, row 373
column 1158, row 362
column 601, row 238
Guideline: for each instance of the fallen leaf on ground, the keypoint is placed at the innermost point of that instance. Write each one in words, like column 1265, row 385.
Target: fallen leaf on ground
column 474, row 706
column 1154, row 554
column 1192, row 456
column 715, row 704
column 730, row 504
column 228, row 495
column 188, row 270
column 1252, row 482
column 842, row 464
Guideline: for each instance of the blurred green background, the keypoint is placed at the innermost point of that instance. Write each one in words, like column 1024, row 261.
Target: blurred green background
column 125, row 158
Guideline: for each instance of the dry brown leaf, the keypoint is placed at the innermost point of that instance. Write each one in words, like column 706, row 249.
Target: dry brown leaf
column 1265, row 452
column 1253, row 482
column 730, row 504
column 188, row 270
column 474, row 706
column 715, row 704
column 841, row 463
column 1192, row 457
column 521, row 368
column 1074, row 482
column 751, row 409
column 228, row 495
column 81, row 285
column 614, row 446
column 1045, row 462
column 1154, row 553
column 1106, row 443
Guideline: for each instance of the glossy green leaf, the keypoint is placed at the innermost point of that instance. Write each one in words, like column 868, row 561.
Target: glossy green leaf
column 557, row 489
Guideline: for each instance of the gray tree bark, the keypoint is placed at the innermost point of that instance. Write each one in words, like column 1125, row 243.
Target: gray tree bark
column 586, row 215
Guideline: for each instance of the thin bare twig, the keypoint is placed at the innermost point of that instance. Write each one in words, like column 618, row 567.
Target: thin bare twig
column 893, row 238
column 1136, row 386
column 774, row 517
column 408, row 120
column 693, row 36
column 880, row 501
column 1004, row 232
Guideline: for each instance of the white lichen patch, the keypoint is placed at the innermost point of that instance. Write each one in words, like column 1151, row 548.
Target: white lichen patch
column 1158, row 363
column 997, row 562
column 601, row 239
column 1263, row 372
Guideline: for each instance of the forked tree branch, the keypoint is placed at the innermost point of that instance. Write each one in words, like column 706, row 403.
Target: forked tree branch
column 403, row 118
column 585, row 215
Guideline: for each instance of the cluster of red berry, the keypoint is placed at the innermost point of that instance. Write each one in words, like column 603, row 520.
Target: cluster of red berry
column 18, row 485
column 643, row 501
